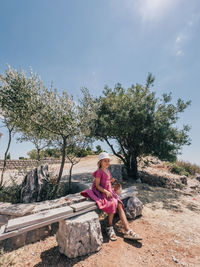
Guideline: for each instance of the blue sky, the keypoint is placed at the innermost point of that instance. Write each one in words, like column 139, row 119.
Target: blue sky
column 95, row 43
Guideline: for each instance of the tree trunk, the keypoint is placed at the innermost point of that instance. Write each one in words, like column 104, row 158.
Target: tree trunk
column 61, row 166
column 132, row 168
column 70, row 177
column 63, row 160
column 6, row 153
column 38, row 154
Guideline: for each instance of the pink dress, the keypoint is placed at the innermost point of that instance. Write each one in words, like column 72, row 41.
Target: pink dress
column 109, row 205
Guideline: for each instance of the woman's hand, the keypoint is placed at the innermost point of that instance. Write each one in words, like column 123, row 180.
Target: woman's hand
column 112, row 180
column 108, row 194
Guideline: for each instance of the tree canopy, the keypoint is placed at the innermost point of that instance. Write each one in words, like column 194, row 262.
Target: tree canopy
column 139, row 123
column 40, row 112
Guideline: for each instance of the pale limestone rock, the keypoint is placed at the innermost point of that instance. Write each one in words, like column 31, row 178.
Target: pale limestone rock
column 80, row 235
column 133, row 208
column 33, row 184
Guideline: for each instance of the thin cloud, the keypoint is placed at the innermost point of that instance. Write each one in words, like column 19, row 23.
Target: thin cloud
column 185, row 35
column 179, row 53
column 153, row 10
column 181, row 38
column 150, row 10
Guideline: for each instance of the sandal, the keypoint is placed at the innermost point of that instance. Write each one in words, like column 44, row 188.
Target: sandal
column 132, row 235
column 111, row 233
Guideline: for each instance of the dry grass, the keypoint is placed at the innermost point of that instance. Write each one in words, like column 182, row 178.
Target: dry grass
column 188, row 167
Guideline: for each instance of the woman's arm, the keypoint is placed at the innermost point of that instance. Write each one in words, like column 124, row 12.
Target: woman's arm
column 101, row 189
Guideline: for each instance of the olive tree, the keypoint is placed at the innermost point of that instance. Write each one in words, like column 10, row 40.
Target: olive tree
column 138, row 122
column 10, row 129
column 37, row 140
column 31, row 106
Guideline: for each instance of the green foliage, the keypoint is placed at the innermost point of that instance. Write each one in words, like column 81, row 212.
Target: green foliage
column 80, row 151
column 56, row 153
column 22, row 158
column 178, row 170
column 98, row 149
column 185, row 167
column 8, row 156
column 51, row 153
column 46, row 153
column 32, row 154
column 39, row 112
column 48, row 191
column 135, row 123
column 10, row 194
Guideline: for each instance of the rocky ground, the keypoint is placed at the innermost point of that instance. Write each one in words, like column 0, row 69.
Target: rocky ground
column 170, row 227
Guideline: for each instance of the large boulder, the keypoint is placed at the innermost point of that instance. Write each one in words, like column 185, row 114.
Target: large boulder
column 80, row 235
column 133, row 208
column 33, row 184
column 197, row 176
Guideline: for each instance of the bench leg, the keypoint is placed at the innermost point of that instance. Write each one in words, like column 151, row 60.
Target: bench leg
column 80, row 235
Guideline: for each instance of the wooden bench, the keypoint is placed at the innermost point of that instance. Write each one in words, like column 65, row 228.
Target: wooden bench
column 27, row 223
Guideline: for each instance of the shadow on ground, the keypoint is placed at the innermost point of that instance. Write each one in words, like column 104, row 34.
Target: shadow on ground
column 159, row 197
column 165, row 198
column 52, row 258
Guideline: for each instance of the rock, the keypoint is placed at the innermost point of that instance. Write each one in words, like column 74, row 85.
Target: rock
column 183, row 179
column 163, row 180
column 80, row 235
column 34, row 184
column 197, row 176
column 133, row 208
column 174, row 259
column 116, row 171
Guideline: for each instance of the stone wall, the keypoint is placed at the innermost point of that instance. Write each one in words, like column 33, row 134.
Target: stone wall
column 22, row 164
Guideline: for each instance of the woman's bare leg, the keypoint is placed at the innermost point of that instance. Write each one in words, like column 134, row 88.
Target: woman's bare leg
column 122, row 217
column 110, row 219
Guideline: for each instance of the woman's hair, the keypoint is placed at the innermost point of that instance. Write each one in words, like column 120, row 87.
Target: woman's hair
column 99, row 163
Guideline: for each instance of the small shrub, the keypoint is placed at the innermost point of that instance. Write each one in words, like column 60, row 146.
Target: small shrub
column 10, row 193
column 48, row 191
column 8, row 156
column 189, row 167
column 82, row 153
column 98, row 150
column 184, row 168
column 178, row 170
column 22, row 158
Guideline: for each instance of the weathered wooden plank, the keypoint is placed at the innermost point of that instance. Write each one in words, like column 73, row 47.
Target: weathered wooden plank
column 76, row 213
column 2, row 229
column 16, row 209
column 83, row 205
column 41, row 224
column 27, row 223
column 21, row 222
column 8, row 235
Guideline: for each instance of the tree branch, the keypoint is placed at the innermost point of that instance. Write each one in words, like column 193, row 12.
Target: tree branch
column 114, row 152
